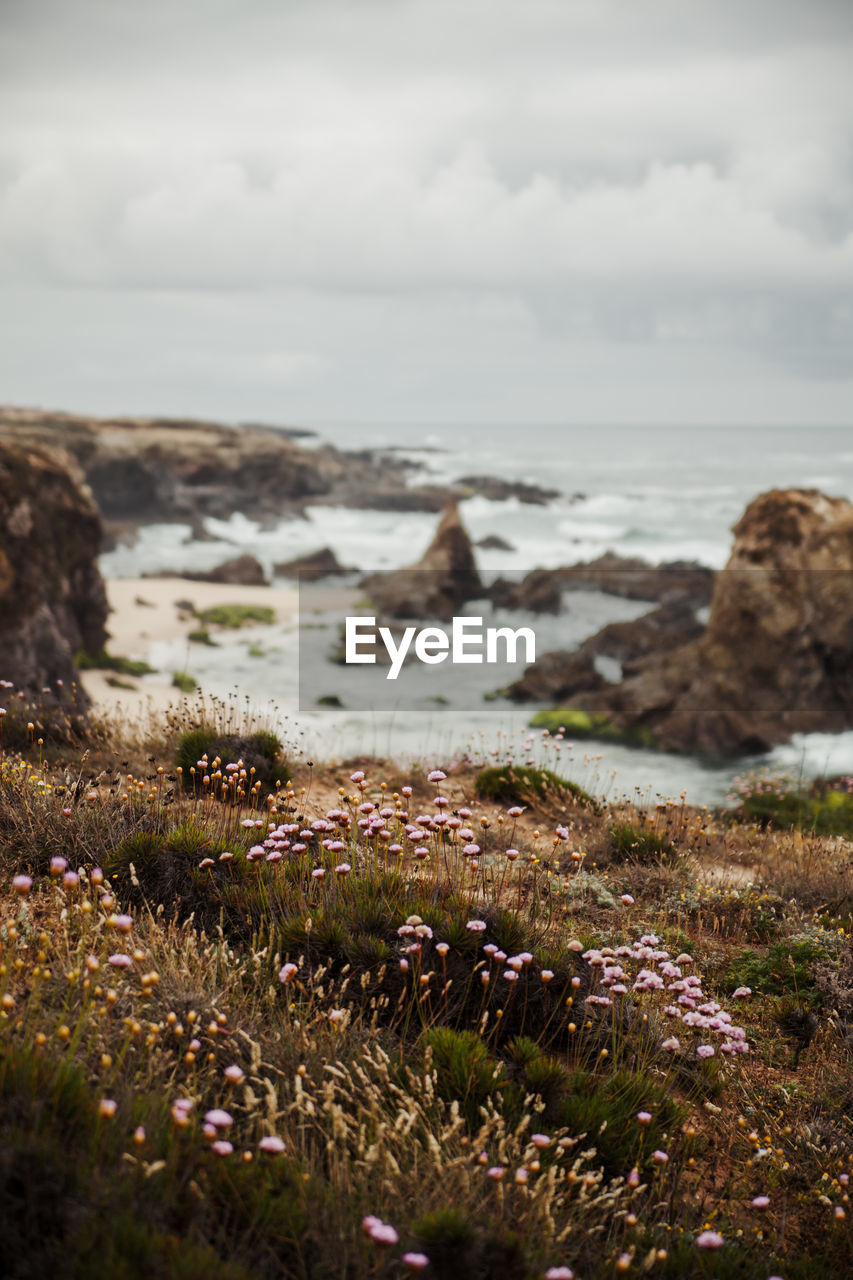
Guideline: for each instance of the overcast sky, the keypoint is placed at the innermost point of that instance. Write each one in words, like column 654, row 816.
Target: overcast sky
column 431, row 210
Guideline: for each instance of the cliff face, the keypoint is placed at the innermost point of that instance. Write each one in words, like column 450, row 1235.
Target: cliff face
column 52, row 598
column 777, row 655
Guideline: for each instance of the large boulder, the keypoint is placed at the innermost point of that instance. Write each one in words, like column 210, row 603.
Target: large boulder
column 444, row 578
column 777, row 655
column 563, row 675
column 244, row 571
column 52, row 598
column 311, row 567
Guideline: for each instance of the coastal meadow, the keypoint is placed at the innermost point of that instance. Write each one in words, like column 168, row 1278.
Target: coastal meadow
column 265, row 1017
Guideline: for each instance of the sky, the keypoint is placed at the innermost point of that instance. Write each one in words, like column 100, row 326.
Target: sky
column 437, row 211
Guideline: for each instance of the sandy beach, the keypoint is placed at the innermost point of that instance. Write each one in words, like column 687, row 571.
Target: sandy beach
column 146, row 614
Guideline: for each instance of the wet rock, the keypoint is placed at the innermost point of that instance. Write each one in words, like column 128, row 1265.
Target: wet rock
column 497, row 490
column 311, row 567
column 494, row 542
column 443, row 579
column 244, row 571
column 541, row 590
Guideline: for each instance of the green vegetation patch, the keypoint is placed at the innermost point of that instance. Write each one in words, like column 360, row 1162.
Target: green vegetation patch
column 513, row 784
column 824, row 806
column 260, row 753
column 100, row 660
column 637, row 844
column 203, row 636
column 233, row 616
column 587, row 724
column 184, row 681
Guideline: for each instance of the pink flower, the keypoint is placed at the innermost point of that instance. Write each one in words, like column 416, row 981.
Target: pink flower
column 272, row 1144
column 221, row 1147
column 760, row 1202
column 496, row 1173
column 709, row 1240
column 660, row 1157
column 120, row 961
column 218, row 1118
column 234, row 1074
column 415, row 1261
column 22, row 885
column 627, row 899
column 559, row 1273
column 705, row 1051
column 383, row 1234
column 107, row 1108
column 742, row 993
column 476, row 926
column 644, row 1117
column 436, row 775
column 287, row 973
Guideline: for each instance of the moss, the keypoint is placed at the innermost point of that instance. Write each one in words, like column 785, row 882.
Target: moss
column 202, row 636
column 100, row 660
column 234, row 616
column 513, row 784
column 185, row 682
column 587, row 724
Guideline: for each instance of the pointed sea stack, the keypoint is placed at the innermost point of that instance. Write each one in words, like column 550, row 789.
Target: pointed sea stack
column 444, row 578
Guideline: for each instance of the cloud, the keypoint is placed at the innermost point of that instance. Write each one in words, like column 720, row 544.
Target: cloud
column 669, row 174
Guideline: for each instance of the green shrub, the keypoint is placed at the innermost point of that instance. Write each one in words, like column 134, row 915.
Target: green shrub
column 259, row 751
column 636, row 844
column 605, row 1108
column 513, row 784
column 465, row 1070
column 825, row 806
column 784, row 969
column 185, row 682
column 587, row 724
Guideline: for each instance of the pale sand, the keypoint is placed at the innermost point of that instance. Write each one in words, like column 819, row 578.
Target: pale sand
column 143, row 610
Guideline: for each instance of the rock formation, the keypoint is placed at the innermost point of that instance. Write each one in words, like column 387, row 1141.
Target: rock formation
column 311, row 567
column 776, row 657
column 244, row 570
column 52, row 598
column 143, row 470
column 541, row 590
column 563, row 675
column 444, row 578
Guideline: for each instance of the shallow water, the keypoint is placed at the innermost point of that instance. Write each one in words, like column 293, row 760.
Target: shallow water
column 658, row 493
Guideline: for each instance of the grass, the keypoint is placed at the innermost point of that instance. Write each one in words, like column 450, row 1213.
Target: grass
column 824, row 806
column 183, row 681
column 103, row 661
column 482, row 1027
column 203, row 636
column 232, row 617
column 513, row 784
column 572, row 722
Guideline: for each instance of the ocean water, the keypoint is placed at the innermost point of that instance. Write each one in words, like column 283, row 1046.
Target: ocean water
column 659, row 493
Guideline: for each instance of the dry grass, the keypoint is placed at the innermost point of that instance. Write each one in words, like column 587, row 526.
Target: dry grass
column 491, row 1123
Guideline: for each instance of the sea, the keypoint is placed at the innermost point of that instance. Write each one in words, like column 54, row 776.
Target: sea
column 660, row 493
